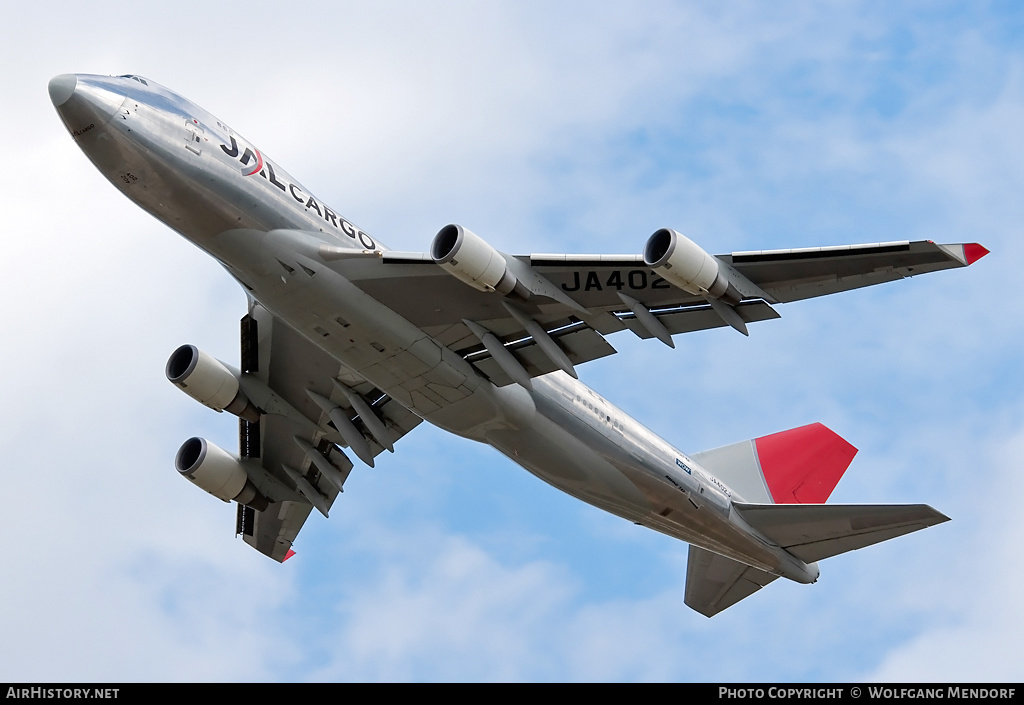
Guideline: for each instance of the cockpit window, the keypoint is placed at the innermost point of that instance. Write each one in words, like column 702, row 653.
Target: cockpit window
column 135, row 78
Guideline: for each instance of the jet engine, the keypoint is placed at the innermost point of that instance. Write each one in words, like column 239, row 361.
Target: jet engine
column 218, row 472
column 685, row 264
column 468, row 258
column 209, row 381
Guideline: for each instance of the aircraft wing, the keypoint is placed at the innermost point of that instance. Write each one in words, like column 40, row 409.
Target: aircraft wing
column 289, row 443
column 579, row 299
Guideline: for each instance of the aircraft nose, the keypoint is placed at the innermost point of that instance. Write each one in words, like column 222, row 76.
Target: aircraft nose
column 83, row 101
column 62, row 87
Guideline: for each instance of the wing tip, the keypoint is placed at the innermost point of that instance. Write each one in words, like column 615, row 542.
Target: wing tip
column 288, row 555
column 974, row 251
column 967, row 253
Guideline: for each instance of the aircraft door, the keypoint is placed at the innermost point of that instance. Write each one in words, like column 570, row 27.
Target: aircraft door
column 194, row 135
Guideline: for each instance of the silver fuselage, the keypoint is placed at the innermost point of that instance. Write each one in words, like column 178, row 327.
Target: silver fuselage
column 195, row 174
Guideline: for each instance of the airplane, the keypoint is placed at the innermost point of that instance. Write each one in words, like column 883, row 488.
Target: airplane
column 348, row 344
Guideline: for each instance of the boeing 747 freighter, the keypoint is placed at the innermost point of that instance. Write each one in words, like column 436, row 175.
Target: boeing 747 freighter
column 347, row 344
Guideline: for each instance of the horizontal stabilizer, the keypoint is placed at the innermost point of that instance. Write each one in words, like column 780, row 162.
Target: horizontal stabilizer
column 798, row 466
column 714, row 582
column 812, row 532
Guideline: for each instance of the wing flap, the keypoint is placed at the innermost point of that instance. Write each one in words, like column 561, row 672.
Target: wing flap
column 687, row 319
column 580, row 344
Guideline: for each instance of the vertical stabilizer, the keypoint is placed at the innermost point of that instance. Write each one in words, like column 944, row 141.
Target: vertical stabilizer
column 803, row 465
column 798, row 466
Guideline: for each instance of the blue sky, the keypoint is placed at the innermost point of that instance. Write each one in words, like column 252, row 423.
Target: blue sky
column 569, row 127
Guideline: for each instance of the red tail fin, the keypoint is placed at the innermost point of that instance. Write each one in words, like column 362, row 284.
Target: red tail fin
column 803, row 465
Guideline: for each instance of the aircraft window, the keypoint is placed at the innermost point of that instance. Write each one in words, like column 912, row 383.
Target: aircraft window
column 135, row 78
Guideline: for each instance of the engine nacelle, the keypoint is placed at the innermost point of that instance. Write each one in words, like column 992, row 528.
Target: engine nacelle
column 218, row 472
column 468, row 258
column 685, row 264
column 209, row 381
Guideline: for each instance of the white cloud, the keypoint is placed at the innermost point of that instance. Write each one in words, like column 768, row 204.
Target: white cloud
column 980, row 633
